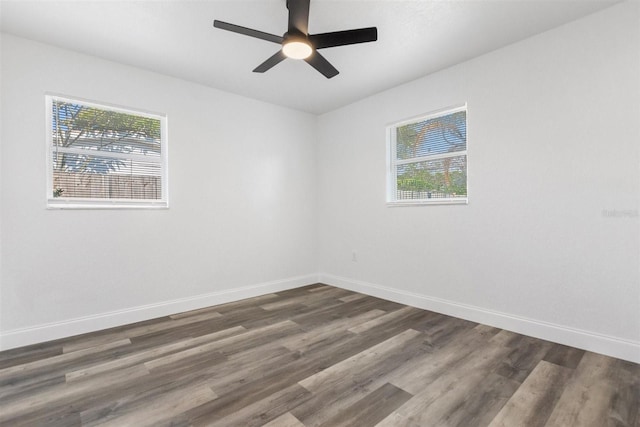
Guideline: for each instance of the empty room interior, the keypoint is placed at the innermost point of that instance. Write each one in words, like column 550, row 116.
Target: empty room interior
column 294, row 213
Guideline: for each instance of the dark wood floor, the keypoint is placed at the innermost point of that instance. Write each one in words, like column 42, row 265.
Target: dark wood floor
column 313, row 356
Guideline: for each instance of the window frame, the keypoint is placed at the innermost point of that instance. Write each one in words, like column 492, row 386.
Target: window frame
column 393, row 162
column 106, row 203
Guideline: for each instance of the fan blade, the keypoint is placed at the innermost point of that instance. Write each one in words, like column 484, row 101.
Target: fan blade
column 247, row 31
column 319, row 62
column 298, row 16
column 341, row 38
column 269, row 63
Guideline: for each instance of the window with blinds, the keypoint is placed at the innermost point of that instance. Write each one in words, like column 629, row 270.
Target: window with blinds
column 427, row 161
column 102, row 156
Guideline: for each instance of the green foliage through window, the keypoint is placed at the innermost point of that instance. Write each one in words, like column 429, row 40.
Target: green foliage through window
column 430, row 157
column 101, row 152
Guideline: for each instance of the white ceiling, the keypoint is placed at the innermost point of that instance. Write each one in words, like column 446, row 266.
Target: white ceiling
column 177, row 38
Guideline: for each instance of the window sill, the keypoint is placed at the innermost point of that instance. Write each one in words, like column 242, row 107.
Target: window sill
column 58, row 203
column 400, row 203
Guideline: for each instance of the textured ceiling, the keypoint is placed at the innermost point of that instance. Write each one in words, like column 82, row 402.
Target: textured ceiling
column 177, row 38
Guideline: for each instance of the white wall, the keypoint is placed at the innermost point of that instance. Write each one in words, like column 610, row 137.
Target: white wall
column 553, row 142
column 241, row 191
column 553, row 132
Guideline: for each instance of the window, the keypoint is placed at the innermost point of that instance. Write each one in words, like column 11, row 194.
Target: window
column 104, row 157
column 427, row 161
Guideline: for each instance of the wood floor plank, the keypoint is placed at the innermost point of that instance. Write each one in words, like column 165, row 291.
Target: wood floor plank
column 313, row 356
column 480, row 405
column 239, row 394
column 402, row 313
column 371, row 409
column 244, row 368
column 396, row 419
column 522, row 360
column 442, row 330
column 23, row 387
column 271, row 317
column 66, row 393
column 505, row 338
column 261, row 411
column 136, row 331
column 564, row 355
column 229, row 307
column 532, row 403
column 152, row 354
column 343, row 384
column 294, row 300
column 19, row 356
column 458, row 400
column 133, row 396
column 121, row 395
column 321, row 315
column 315, row 288
column 625, row 404
column 352, row 297
column 247, row 399
column 285, row 420
column 41, row 374
column 51, row 362
column 302, row 342
column 329, row 292
column 328, row 377
column 53, row 418
column 151, row 412
column 448, row 359
column 78, row 342
column 304, row 290
column 590, row 395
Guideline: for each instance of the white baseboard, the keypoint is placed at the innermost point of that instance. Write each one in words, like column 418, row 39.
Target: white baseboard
column 51, row 331
column 591, row 341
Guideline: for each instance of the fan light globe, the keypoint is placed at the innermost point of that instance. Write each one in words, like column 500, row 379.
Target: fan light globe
column 297, row 50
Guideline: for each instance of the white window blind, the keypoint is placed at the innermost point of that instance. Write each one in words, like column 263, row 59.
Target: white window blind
column 428, row 159
column 103, row 156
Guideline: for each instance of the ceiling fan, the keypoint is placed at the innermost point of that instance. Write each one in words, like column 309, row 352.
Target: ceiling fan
column 297, row 43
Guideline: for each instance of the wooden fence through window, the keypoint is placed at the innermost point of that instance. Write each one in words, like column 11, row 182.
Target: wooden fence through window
column 106, row 186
